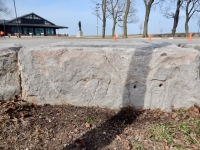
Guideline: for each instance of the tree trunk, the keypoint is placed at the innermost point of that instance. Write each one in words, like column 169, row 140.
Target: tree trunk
column 104, row 28
column 104, row 18
column 176, row 17
column 145, row 31
column 148, row 9
column 113, row 28
column 125, row 18
column 186, row 28
column 187, row 18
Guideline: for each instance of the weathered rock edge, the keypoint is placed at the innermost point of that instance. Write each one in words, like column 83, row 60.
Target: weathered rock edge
column 195, row 46
column 144, row 75
column 10, row 82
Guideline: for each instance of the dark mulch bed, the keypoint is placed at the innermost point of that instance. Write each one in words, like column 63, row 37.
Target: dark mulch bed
column 25, row 126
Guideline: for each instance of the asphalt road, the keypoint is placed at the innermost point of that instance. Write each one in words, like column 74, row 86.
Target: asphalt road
column 34, row 42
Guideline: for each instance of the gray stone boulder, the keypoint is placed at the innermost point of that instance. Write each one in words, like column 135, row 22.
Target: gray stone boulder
column 111, row 74
column 9, row 76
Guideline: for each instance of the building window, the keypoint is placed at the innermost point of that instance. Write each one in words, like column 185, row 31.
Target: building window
column 15, row 30
column 32, row 21
column 38, row 21
column 35, row 17
column 19, row 21
column 28, row 30
column 38, row 31
column 28, row 17
column 49, row 31
column 25, row 30
column 46, row 22
column 28, row 21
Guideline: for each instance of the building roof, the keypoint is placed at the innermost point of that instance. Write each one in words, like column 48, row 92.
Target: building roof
column 36, row 25
column 29, row 15
column 13, row 22
column 1, row 21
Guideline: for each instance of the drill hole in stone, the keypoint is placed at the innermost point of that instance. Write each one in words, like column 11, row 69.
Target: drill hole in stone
column 163, row 54
column 134, row 86
column 160, row 85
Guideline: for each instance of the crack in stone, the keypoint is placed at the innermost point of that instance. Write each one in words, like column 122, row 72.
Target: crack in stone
column 112, row 66
column 94, row 94
column 158, row 80
column 108, row 87
column 85, row 79
column 19, row 73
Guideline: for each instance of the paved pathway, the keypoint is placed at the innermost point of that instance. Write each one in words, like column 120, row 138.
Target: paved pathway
column 43, row 41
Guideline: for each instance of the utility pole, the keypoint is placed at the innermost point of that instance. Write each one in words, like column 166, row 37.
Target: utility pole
column 4, row 28
column 17, row 20
column 97, row 12
column 159, row 28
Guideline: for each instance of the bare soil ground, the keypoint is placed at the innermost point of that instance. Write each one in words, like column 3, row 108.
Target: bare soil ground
column 25, row 126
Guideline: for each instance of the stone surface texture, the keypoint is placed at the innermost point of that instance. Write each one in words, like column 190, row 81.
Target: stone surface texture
column 111, row 74
column 9, row 77
column 195, row 46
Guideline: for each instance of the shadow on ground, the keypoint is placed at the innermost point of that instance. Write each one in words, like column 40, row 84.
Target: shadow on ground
column 133, row 96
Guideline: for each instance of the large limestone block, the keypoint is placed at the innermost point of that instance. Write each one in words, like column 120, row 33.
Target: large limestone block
column 108, row 74
column 9, row 77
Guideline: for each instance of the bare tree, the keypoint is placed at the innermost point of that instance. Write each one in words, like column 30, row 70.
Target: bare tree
column 148, row 6
column 116, row 10
column 140, row 27
column 198, row 23
column 104, row 13
column 170, row 5
column 103, row 7
column 115, row 7
column 129, row 16
column 113, row 10
column 3, row 8
column 125, row 18
column 191, row 6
